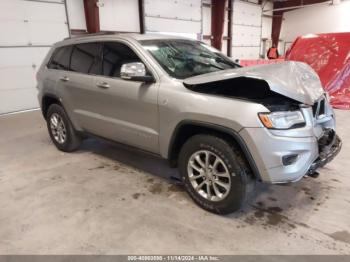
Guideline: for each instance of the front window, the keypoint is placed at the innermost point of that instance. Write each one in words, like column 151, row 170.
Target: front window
column 186, row 58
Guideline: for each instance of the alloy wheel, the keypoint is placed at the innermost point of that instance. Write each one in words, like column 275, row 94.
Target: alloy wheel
column 58, row 128
column 209, row 175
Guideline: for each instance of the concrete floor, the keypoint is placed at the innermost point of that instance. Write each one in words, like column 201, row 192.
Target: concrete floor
column 107, row 199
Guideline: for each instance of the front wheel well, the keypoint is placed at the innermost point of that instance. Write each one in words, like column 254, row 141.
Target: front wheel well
column 185, row 131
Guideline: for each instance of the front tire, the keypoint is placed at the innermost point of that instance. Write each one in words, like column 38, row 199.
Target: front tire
column 61, row 129
column 214, row 174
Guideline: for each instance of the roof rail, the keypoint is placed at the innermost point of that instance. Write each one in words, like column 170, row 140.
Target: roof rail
column 87, row 35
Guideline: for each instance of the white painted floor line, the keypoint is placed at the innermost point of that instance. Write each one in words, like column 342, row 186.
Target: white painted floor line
column 18, row 112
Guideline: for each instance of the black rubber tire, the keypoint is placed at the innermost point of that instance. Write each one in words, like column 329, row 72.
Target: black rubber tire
column 242, row 183
column 73, row 140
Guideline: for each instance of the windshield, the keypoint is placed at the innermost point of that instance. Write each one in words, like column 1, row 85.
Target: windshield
column 186, row 58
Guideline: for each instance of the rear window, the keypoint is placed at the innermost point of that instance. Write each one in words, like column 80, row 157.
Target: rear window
column 95, row 58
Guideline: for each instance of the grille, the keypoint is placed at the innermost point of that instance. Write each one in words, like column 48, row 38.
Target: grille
column 319, row 108
column 314, row 109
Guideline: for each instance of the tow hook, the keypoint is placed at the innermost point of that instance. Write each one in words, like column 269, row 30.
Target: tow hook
column 313, row 174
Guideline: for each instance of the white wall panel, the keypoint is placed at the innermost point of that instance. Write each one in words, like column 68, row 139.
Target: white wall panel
column 246, row 13
column 41, row 33
column 11, row 9
column 21, row 20
column 44, row 12
column 22, row 56
column 267, row 21
column 181, row 16
column 18, row 100
column 243, row 36
column 245, row 53
column 19, row 93
column 206, row 19
column 119, row 15
column 266, row 29
column 246, row 30
column 323, row 18
column 180, row 9
column 27, row 30
column 13, row 32
column 169, row 25
column 76, row 14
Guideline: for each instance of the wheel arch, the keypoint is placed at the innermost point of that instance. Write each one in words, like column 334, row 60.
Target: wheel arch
column 46, row 101
column 188, row 128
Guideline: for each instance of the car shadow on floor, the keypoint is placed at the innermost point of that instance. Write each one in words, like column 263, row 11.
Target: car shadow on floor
column 132, row 157
column 269, row 199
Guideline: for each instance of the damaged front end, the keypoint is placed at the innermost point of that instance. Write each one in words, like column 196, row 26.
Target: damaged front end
column 247, row 89
column 287, row 84
column 305, row 138
column 329, row 143
column 329, row 146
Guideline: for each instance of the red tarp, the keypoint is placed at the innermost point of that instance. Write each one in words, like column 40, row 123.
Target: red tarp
column 329, row 56
column 248, row 62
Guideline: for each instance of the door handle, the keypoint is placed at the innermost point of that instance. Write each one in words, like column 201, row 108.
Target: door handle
column 103, row 85
column 64, row 78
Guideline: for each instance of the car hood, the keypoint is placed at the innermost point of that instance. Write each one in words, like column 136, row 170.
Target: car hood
column 295, row 80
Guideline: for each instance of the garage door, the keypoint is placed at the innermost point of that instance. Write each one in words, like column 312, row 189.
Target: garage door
column 246, row 30
column 119, row 15
column 180, row 17
column 27, row 30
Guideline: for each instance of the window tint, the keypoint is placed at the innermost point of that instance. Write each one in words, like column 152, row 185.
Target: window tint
column 114, row 56
column 60, row 58
column 86, row 58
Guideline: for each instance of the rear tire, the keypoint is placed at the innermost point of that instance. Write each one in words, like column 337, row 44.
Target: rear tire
column 61, row 130
column 220, row 184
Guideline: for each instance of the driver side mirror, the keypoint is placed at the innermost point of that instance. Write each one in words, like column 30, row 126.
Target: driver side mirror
column 135, row 71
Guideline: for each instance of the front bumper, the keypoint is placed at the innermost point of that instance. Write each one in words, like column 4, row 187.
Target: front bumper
column 329, row 146
column 268, row 150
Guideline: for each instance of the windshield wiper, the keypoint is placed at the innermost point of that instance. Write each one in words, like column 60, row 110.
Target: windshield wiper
column 219, row 59
column 212, row 65
column 180, row 57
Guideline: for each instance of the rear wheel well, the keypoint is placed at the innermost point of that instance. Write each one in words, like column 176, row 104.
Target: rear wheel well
column 47, row 102
column 186, row 131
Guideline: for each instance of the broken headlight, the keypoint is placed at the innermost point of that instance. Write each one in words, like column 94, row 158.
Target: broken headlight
column 282, row 120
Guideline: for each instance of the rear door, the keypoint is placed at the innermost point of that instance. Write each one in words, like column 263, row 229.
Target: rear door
column 76, row 84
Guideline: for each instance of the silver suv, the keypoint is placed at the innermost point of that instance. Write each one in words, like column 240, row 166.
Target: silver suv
column 224, row 126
